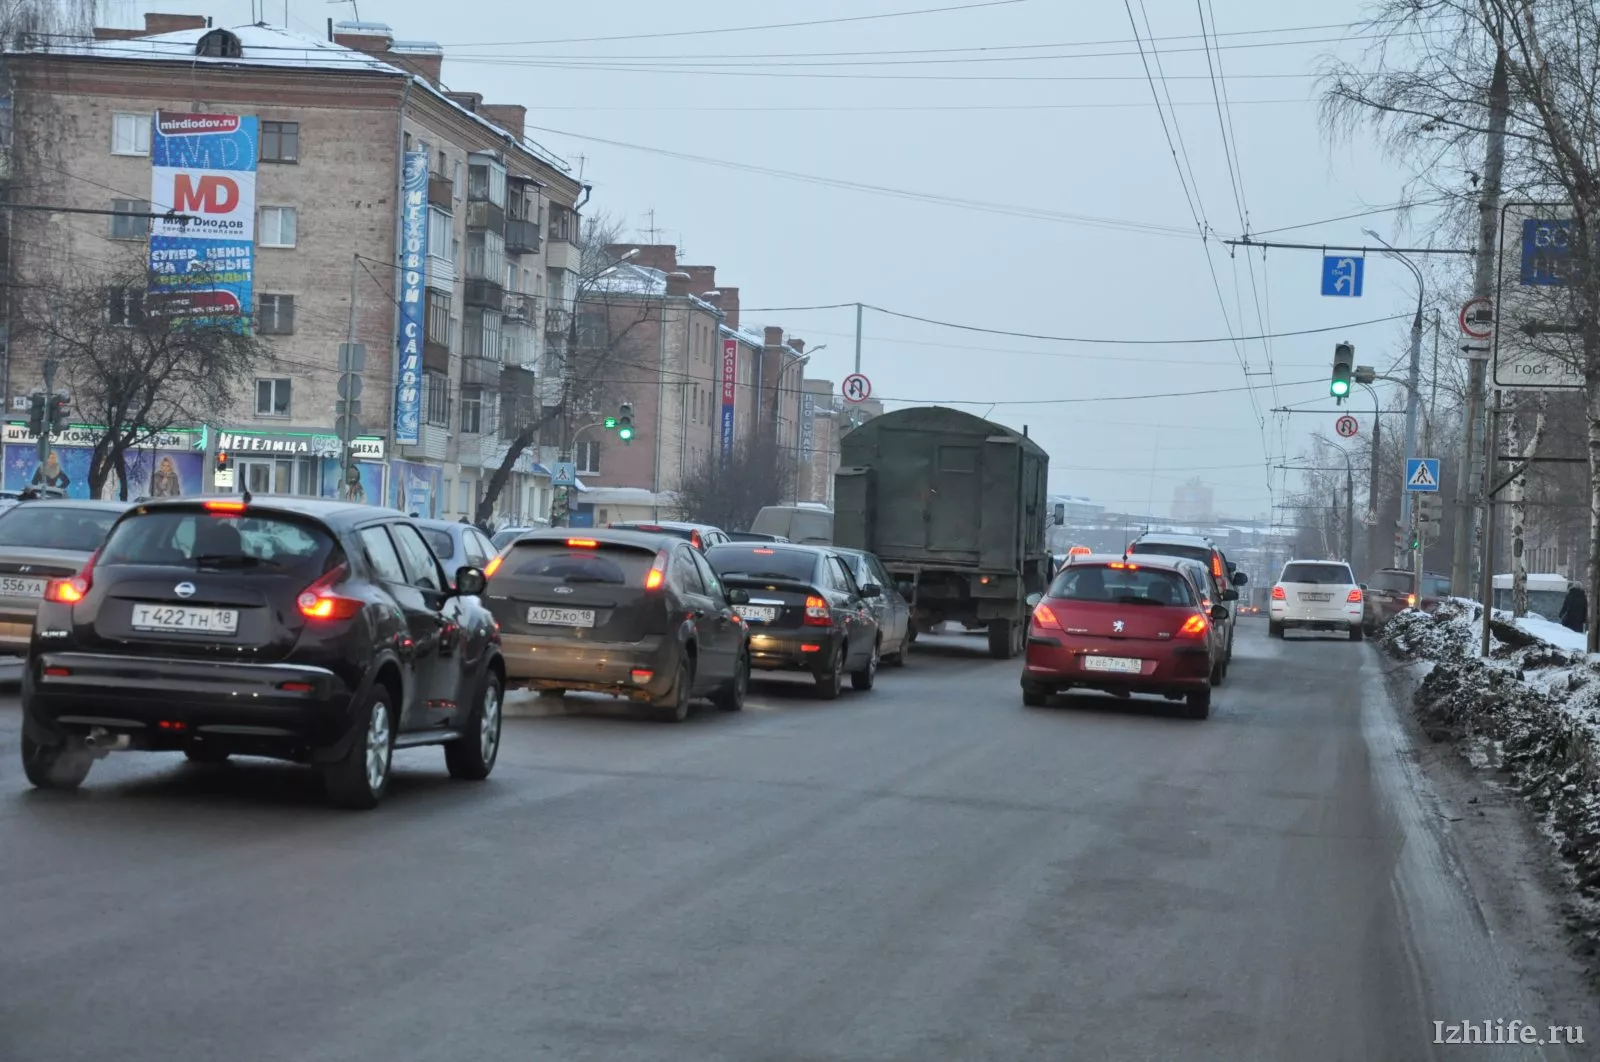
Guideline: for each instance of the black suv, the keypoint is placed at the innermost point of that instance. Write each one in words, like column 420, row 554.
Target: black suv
column 315, row 631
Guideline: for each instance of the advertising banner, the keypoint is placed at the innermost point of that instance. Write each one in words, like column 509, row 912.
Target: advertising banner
column 203, row 167
column 730, row 381
column 415, row 488
column 808, row 411
column 413, row 274
column 366, row 490
column 156, row 473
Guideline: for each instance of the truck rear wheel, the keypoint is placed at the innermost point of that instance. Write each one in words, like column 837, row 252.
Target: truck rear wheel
column 1005, row 639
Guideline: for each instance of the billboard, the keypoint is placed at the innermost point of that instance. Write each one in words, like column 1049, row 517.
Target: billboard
column 202, row 259
column 730, row 380
column 413, row 264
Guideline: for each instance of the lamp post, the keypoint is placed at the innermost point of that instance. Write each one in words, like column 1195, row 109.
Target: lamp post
column 1373, row 530
column 1413, row 373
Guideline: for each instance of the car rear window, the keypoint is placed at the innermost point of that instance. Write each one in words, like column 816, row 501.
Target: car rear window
column 657, row 529
column 735, row 561
column 1396, row 582
column 35, row 526
column 201, row 539
column 1435, row 586
column 443, row 546
column 1165, row 549
column 1317, row 574
column 558, row 562
column 1131, row 585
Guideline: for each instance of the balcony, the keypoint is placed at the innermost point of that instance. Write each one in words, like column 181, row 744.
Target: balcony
column 441, row 192
column 484, row 216
column 522, row 236
column 520, row 306
column 560, row 254
column 485, row 294
column 557, row 321
column 480, row 372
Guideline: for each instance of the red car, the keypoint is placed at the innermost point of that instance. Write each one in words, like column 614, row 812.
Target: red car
column 1124, row 626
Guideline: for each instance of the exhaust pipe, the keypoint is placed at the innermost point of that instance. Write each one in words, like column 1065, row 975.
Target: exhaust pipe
column 101, row 739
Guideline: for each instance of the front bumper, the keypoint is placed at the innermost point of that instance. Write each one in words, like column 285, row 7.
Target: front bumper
column 169, row 703
column 641, row 670
column 792, row 650
column 1167, row 669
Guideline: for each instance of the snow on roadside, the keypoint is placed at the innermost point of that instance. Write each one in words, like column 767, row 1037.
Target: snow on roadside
column 1531, row 712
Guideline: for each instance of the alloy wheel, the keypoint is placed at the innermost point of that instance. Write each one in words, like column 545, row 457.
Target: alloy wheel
column 378, row 751
column 489, row 726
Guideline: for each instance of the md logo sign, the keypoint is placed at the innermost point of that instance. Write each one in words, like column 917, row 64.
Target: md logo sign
column 222, row 205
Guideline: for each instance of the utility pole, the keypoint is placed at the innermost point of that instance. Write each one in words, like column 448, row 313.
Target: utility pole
column 352, row 360
column 1473, row 483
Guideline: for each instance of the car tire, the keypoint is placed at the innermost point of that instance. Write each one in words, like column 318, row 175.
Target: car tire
column 201, row 754
column 62, row 766
column 1002, row 639
column 1034, row 697
column 674, row 707
column 1197, row 705
column 360, row 778
column 911, row 634
column 1274, row 629
column 1219, row 672
column 1356, row 633
column 830, row 683
column 472, row 756
column 730, row 698
column 898, row 657
column 863, row 679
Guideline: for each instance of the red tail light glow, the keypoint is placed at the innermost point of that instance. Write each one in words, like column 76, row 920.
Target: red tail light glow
column 817, row 612
column 71, row 591
column 1194, row 627
column 1411, row 600
column 694, row 539
column 1044, row 617
column 1121, row 566
column 225, row 506
column 319, row 602
column 1354, row 596
column 657, row 573
column 582, row 543
column 1278, row 594
column 494, row 565
column 764, row 552
column 1216, row 565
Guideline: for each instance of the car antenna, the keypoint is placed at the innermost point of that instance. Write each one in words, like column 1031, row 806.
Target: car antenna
column 245, row 495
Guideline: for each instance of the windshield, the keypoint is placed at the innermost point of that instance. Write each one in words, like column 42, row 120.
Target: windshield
column 443, row 546
column 558, row 562
column 1315, row 574
column 758, row 562
column 189, row 539
column 1123, row 586
column 70, row 527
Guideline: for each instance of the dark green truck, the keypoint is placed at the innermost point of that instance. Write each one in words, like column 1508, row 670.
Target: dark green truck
column 955, row 506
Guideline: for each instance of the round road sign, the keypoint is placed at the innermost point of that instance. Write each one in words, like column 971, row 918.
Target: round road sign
column 856, row 388
column 1477, row 315
column 1346, row 426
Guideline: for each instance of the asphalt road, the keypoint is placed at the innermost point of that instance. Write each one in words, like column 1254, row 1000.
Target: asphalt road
column 925, row 872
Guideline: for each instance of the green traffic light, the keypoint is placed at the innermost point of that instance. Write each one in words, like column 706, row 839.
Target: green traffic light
column 1339, row 388
column 625, row 434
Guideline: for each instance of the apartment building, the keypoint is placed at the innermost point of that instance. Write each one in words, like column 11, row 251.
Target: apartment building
column 457, row 237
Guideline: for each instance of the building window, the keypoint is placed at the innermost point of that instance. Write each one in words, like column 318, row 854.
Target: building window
column 487, row 180
column 272, row 398
column 280, row 141
column 437, row 386
column 125, row 306
column 587, row 457
column 130, row 221
column 277, row 226
column 561, row 227
column 471, row 410
column 438, row 318
column 130, row 134
column 275, row 316
column 440, row 235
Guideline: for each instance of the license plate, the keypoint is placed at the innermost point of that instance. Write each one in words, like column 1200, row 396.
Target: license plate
column 11, row 586
column 561, row 617
column 756, row 613
column 1316, row 597
column 1120, row 664
column 186, row 619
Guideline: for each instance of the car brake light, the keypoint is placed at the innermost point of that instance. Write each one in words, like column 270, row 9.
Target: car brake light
column 582, row 543
column 1193, row 627
column 1411, row 600
column 71, row 591
column 319, row 602
column 1216, row 565
column 494, row 565
column 694, row 539
column 658, row 572
column 1120, row 566
column 225, row 506
column 765, row 552
column 817, row 612
column 1278, row 594
column 1044, row 617
column 1354, row 595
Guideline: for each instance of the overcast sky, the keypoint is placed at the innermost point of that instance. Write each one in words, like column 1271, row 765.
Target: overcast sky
column 1074, row 221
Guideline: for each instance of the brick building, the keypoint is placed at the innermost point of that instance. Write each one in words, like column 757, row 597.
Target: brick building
column 337, row 119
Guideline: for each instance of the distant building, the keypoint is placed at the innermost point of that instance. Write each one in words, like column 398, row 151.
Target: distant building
column 1193, row 502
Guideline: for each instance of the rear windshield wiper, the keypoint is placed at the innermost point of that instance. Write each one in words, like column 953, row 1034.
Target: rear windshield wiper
column 227, row 560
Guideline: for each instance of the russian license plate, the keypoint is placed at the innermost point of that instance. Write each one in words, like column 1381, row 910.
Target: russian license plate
column 757, row 613
column 1123, row 665
column 186, row 619
column 12, row 586
column 1316, row 597
column 561, row 617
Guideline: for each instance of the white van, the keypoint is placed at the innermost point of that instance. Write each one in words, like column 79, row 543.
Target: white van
column 807, row 525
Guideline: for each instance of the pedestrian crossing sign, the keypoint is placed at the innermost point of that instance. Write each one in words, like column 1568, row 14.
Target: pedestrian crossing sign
column 1422, row 474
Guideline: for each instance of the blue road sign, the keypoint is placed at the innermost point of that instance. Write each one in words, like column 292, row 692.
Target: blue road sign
column 1342, row 274
column 1422, row 474
column 563, row 474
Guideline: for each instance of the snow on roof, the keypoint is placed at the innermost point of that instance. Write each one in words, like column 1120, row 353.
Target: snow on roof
column 744, row 335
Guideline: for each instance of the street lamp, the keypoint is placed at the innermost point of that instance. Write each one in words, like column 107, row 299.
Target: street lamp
column 1413, row 374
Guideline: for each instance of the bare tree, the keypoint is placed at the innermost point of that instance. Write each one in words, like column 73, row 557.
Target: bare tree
column 50, row 20
column 597, row 349
column 729, row 493
column 138, row 373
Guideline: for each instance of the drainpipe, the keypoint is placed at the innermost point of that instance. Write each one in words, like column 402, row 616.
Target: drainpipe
column 399, row 260
column 661, row 401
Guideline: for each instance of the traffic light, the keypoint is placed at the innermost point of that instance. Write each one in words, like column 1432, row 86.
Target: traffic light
column 58, row 413
column 625, row 422
column 611, row 423
column 38, row 407
column 1344, row 361
column 1430, row 517
column 222, row 461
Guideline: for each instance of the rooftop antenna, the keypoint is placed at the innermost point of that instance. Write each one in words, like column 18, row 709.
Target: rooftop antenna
column 651, row 214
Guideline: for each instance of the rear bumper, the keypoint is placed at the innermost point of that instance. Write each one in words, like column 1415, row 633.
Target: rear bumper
column 619, row 668
column 165, row 703
column 787, row 650
column 1053, row 663
column 1303, row 617
column 16, row 626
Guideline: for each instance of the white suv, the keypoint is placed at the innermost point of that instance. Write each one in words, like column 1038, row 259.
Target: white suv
column 1316, row 596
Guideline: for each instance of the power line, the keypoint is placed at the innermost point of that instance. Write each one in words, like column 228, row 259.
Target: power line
column 953, row 108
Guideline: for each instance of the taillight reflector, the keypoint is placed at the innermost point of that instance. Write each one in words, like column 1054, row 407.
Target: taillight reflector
column 640, row 676
column 1278, row 594
column 811, row 648
column 58, row 672
column 1193, row 627
column 1354, row 595
column 319, row 602
column 296, row 687
column 225, row 506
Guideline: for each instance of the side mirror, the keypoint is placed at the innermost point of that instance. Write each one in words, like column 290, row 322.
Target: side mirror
column 738, row 596
column 1034, row 599
column 1361, row 586
column 1230, row 595
column 1240, row 578
column 470, row 581
column 872, row 590
column 1219, row 613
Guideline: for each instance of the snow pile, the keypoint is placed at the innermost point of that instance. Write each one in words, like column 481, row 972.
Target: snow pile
column 1531, row 711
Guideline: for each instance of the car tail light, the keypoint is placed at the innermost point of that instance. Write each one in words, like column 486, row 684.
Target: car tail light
column 1121, row 566
column 319, row 602
column 764, row 552
column 641, row 676
column 582, row 543
column 1278, row 594
column 1216, row 566
column 1354, row 595
column 1194, row 627
column 225, row 506
column 71, row 591
column 1043, row 616
column 1411, row 600
column 657, row 573
column 695, row 540
column 817, row 612
column 494, row 565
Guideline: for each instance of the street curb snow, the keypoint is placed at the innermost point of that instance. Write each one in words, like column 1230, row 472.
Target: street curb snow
column 1530, row 712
